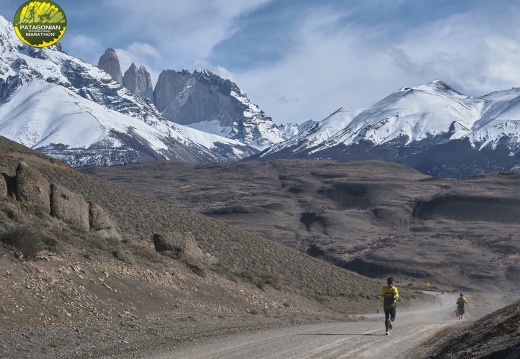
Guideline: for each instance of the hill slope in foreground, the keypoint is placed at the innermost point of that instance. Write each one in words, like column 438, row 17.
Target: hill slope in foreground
column 99, row 286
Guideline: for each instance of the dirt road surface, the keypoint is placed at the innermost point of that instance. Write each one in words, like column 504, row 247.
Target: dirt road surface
column 364, row 339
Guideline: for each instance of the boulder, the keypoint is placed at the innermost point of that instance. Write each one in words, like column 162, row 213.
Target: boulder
column 180, row 244
column 69, row 207
column 101, row 223
column 31, row 186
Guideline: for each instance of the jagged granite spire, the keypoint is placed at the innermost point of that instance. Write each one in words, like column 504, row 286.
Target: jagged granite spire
column 109, row 62
column 138, row 81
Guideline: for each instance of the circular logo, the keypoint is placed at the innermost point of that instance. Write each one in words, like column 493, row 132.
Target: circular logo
column 40, row 23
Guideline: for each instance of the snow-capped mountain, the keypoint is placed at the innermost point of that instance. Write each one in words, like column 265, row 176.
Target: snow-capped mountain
column 431, row 127
column 74, row 111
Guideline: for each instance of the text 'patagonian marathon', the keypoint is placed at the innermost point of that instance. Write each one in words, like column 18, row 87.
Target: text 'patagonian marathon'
column 40, row 27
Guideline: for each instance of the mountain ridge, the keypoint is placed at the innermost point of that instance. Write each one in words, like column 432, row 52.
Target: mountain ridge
column 413, row 124
column 432, row 128
column 127, row 128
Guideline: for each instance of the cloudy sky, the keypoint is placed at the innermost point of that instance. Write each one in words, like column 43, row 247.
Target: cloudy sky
column 303, row 59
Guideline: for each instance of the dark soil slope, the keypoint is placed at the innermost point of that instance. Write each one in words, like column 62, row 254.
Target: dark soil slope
column 496, row 336
column 372, row 217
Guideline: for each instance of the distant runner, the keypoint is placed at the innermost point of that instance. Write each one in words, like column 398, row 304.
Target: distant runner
column 461, row 302
column 389, row 295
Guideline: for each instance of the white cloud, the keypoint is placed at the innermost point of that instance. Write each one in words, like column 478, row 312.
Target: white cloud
column 345, row 65
column 332, row 67
column 181, row 30
column 144, row 50
column 503, row 59
column 466, row 49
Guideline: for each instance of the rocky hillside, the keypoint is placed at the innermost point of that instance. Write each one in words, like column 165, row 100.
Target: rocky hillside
column 496, row 335
column 91, row 269
column 82, row 257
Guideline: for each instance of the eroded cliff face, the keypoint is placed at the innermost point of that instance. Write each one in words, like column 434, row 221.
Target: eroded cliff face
column 187, row 98
column 202, row 97
column 109, row 62
column 138, row 81
column 29, row 186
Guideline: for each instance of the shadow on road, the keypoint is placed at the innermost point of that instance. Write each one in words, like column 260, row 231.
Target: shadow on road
column 369, row 334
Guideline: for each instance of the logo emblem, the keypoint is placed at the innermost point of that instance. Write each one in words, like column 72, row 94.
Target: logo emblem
column 40, row 23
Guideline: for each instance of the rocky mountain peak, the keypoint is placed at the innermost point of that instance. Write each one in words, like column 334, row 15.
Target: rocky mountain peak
column 95, row 120
column 138, row 81
column 206, row 101
column 109, row 62
column 177, row 95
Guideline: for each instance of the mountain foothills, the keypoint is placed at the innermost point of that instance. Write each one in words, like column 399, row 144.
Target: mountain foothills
column 93, row 269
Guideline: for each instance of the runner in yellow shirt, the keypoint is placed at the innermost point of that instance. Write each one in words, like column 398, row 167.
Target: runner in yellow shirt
column 461, row 302
column 389, row 295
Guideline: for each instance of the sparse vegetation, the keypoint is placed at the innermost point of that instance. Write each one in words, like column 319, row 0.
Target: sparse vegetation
column 196, row 267
column 148, row 254
column 27, row 240
column 272, row 278
column 124, row 255
column 105, row 244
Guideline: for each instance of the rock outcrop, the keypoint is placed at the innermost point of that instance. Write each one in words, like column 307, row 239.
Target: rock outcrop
column 31, row 186
column 138, row 81
column 61, row 203
column 179, row 245
column 109, row 62
column 69, row 207
column 101, row 223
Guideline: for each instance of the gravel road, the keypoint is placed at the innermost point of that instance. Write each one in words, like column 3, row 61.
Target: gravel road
column 365, row 339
